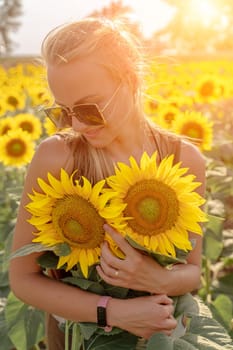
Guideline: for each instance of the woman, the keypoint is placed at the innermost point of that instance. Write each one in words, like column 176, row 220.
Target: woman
column 95, row 61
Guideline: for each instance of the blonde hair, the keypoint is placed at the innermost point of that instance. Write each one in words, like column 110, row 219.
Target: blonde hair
column 91, row 162
column 120, row 53
column 118, row 49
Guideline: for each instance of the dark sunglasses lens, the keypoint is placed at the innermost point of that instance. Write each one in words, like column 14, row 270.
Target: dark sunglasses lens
column 59, row 117
column 89, row 114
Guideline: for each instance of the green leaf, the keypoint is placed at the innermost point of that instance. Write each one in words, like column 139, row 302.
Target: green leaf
column 48, row 260
column 185, row 304
column 4, row 265
column 182, row 344
column 14, row 313
column 62, row 249
column 88, row 329
column 84, row 284
column 160, row 341
column 212, row 247
column 25, row 324
column 196, row 342
column 215, row 225
column 180, row 329
column 222, row 308
column 94, row 283
column 115, row 291
column 5, row 343
column 122, row 341
column 163, row 260
column 30, row 248
column 223, row 286
column 207, row 333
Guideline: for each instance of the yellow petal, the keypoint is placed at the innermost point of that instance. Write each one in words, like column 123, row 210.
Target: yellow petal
column 83, row 261
column 48, row 189
column 97, row 188
column 67, row 182
column 56, row 184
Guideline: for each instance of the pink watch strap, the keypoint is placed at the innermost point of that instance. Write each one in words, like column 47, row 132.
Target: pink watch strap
column 103, row 301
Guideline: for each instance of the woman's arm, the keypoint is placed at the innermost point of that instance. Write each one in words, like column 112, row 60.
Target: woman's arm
column 141, row 272
column 26, row 279
column 142, row 317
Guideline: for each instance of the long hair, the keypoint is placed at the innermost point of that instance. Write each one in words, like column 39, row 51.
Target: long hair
column 88, row 161
column 119, row 52
column 118, row 49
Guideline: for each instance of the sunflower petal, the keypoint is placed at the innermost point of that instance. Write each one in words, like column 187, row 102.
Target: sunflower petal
column 83, row 261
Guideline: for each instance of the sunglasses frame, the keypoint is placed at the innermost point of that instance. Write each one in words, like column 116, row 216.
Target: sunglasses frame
column 71, row 113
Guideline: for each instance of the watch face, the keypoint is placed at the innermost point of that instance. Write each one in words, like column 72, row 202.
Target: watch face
column 101, row 316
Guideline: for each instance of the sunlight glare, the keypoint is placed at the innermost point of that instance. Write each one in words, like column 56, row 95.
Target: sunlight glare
column 205, row 10
column 153, row 17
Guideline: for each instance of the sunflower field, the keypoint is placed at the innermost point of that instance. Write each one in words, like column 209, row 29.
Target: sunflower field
column 191, row 98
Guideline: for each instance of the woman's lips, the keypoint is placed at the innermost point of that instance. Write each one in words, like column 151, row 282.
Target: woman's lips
column 92, row 133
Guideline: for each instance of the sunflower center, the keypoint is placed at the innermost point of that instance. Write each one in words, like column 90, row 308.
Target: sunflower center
column 26, row 126
column 13, row 101
column 169, row 117
column 153, row 105
column 16, row 148
column 78, row 222
column 5, row 129
column 149, row 209
column 193, row 130
column 74, row 228
column 207, row 89
column 153, row 205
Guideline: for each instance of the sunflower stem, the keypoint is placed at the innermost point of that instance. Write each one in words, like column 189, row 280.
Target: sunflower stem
column 77, row 338
column 67, row 327
column 207, row 279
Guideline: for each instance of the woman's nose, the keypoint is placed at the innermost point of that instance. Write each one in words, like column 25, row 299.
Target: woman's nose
column 77, row 125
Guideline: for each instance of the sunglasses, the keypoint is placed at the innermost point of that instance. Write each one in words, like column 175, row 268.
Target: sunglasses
column 87, row 113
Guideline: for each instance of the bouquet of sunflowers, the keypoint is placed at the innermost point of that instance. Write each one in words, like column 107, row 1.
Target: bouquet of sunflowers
column 153, row 207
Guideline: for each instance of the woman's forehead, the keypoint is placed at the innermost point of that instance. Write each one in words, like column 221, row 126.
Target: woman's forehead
column 79, row 81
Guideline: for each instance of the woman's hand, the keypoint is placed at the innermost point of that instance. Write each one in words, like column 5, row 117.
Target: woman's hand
column 137, row 271
column 142, row 316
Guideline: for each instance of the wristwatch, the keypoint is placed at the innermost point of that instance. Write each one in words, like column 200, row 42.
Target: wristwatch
column 101, row 313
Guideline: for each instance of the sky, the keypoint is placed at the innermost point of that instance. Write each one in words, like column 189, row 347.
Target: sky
column 39, row 17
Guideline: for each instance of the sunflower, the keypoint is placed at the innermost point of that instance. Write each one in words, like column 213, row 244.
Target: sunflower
column 166, row 114
column 209, row 88
column 14, row 99
column 16, row 147
column 3, row 107
column 161, row 204
column 40, row 95
column 195, row 125
column 49, row 126
column 150, row 105
column 6, row 124
column 72, row 214
column 29, row 123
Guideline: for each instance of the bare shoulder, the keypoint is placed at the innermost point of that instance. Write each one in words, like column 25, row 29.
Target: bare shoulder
column 51, row 155
column 192, row 158
column 191, row 154
column 53, row 150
